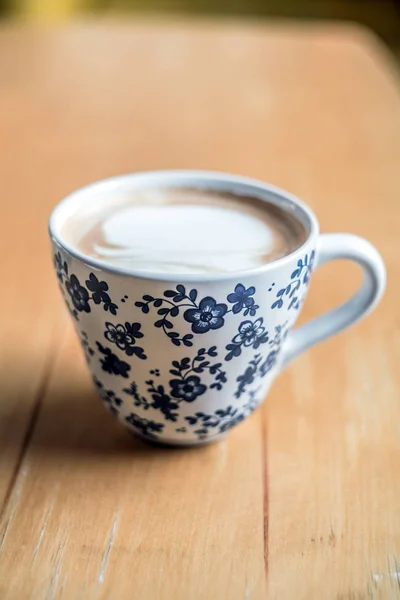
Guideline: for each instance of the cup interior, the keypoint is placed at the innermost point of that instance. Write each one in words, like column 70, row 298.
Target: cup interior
column 97, row 193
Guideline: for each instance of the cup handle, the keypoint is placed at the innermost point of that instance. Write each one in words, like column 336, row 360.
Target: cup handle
column 338, row 246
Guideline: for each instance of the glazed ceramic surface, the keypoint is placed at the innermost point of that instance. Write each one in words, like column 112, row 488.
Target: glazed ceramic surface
column 183, row 359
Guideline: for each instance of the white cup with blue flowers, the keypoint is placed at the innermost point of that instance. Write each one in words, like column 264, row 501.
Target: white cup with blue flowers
column 182, row 359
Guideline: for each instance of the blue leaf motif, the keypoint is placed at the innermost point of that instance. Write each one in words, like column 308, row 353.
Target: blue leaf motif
column 296, row 288
column 277, row 304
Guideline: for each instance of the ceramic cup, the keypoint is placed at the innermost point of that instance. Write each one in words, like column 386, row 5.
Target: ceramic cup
column 181, row 359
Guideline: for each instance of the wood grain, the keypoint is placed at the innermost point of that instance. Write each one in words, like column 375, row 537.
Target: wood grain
column 301, row 501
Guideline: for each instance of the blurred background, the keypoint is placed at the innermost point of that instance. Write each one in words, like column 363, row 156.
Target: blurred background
column 383, row 16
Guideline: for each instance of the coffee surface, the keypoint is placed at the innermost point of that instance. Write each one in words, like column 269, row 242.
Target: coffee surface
column 182, row 230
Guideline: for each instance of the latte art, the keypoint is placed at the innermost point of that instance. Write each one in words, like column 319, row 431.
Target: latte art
column 184, row 231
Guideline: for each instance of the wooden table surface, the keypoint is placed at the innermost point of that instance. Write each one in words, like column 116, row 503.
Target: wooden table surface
column 300, row 502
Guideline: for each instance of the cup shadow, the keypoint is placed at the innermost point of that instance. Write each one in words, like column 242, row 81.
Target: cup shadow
column 76, row 422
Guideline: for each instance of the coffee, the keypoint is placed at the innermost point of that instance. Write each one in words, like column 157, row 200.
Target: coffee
column 182, row 230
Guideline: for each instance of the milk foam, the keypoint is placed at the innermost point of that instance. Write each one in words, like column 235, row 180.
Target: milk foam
column 185, row 231
column 204, row 237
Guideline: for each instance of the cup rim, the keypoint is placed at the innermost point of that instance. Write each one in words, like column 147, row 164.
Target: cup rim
column 212, row 180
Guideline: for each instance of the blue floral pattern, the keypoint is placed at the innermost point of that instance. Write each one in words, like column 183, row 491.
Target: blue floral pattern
column 250, row 333
column 199, row 364
column 185, row 387
column 242, row 298
column 160, row 400
column 145, row 427
column 209, row 315
column 295, row 291
column 221, row 421
column 204, row 316
column 111, row 363
column 180, row 399
column 125, row 336
column 260, row 366
column 79, row 294
column 163, row 401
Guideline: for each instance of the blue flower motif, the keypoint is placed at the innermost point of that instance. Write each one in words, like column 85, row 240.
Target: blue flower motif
column 99, row 289
column 111, row 363
column 203, row 315
column 241, row 298
column 163, row 402
column 187, row 389
column 209, row 315
column 250, row 333
column 186, row 368
column 79, row 294
column 124, row 336
column 99, row 293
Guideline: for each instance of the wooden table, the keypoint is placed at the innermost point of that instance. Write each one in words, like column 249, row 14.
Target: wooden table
column 303, row 500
